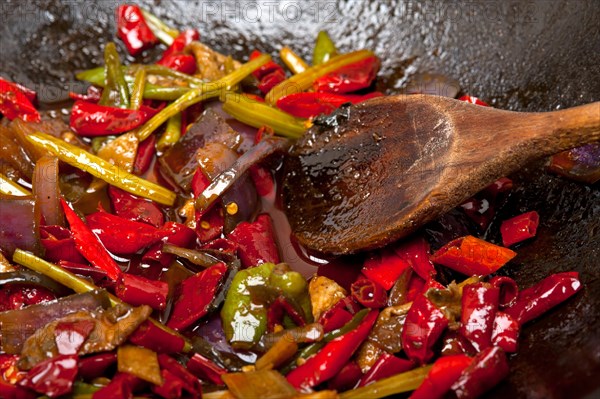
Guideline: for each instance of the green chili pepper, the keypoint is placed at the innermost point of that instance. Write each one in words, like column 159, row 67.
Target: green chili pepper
column 244, row 313
column 324, row 48
column 115, row 78
column 171, row 134
column 137, row 90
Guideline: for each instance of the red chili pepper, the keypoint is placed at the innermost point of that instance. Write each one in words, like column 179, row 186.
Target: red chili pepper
column 172, row 386
column 368, row 293
column 473, row 100
column 94, row 366
column 482, row 207
column 278, row 309
column 271, row 80
column 256, row 241
column 18, row 296
column 266, row 69
column 506, row 332
column 122, row 236
column 180, row 43
column 134, row 208
column 311, row 104
column 177, row 234
column 209, row 225
column 453, row 343
column 350, row 77
column 92, row 95
column 133, row 29
column 196, row 293
column 472, row 256
column 519, row 228
column 145, row 155
column 150, row 336
column 444, row 372
column 16, row 102
column 81, row 269
column 509, row 290
column 69, row 336
column 415, row 287
column 263, row 180
column 205, row 369
column 121, row 386
column 89, row 245
column 551, row 291
column 486, row 370
column 176, row 379
column 385, row 366
column 9, row 391
column 59, row 245
column 479, row 306
column 327, row 363
column 222, row 245
column 384, row 267
column 423, row 326
column 90, row 120
column 432, row 283
column 339, row 314
column 347, row 378
column 53, row 377
column 416, row 253
column 175, row 58
column 199, row 182
column 138, row 290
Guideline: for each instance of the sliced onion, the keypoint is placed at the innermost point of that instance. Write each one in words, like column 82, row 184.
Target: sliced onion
column 46, row 190
column 19, row 225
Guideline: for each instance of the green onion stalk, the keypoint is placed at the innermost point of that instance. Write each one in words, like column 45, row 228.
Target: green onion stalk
column 9, row 187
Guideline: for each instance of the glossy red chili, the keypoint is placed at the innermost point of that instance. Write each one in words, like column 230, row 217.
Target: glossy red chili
column 269, row 75
column 479, row 306
column 453, row 343
column 339, row 314
column 416, row 253
column 196, row 293
column 92, row 95
column 95, row 366
column 368, row 293
column 278, row 309
column 121, row 386
column 138, row 290
column 415, row 287
column 122, row 236
column 95, row 273
column 481, row 208
column 69, row 336
column 150, row 336
column 386, row 365
column 473, row 100
column 262, row 179
column 59, row 245
column 89, row 245
column 53, row 377
column 506, row 332
column 332, row 357
column 444, row 372
column 205, row 369
column 350, row 77
column 311, row 104
column 134, row 208
column 256, row 241
column 209, row 225
column 487, row 369
column 472, row 256
column 90, row 120
column 519, row 228
column 176, row 380
column 266, row 69
column 384, row 267
column 347, row 378
column 18, row 296
column 133, row 29
column 16, row 102
column 174, row 56
column 177, row 234
column 509, row 290
column 145, row 155
column 543, row 296
column 423, row 326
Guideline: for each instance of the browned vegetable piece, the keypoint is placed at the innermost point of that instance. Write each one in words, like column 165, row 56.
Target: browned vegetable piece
column 47, row 191
column 211, row 64
column 278, row 354
column 388, row 328
column 267, row 384
column 324, row 293
column 13, row 153
column 140, row 362
column 19, row 224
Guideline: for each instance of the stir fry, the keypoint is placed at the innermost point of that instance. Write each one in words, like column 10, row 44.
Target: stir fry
column 143, row 252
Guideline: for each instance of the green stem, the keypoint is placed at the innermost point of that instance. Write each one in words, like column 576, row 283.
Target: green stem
column 114, row 74
column 161, row 30
column 292, row 60
column 399, row 383
column 9, row 187
column 98, row 167
column 303, row 81
column 137, row 90
column 171, row 134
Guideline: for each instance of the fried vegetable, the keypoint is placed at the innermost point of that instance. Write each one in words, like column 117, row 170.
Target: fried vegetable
column 324, row 293
column 140, row 362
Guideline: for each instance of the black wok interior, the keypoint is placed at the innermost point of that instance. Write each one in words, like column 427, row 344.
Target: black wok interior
column 518, row 55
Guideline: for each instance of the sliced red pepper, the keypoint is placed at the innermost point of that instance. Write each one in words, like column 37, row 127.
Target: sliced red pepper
column 122, row 236
column 350, row 77
column 481, row 208
column 415, row 287
column 205, row 369
column 271, row 80
column 256, row 242
column 509, row 290
column 18, row 296
column 184, row 63
column 222, row 245
column 453, row 343
column 416, row 253
column 278, row 309
column 10, row 391
column 133, row 29
column 339, row 314
column 177, row 234
column 196, row 293
column 551, row 291
column 486, row 370
column 145, row 155
column 262, row 179
column 328, row 362
column 150, row 336
column 209, row 225
column 16, row 102
column 134, row 208
column 90, row 120
column 59, row 245
column 138, row 290
column 180, row 43
column 311, row 104
column 95, row 366
column 444, row 372
column 89, row 245
column 506, row 332
column 92, row 95
column 53, row 377
column 519, row 228
column 176, row 379
column 266, row 69
column 121, row 386
column 368, row 293
column 69, row 336
column 384, row 267
column 479, row 306
column 423, row 326
column 473, row 100
column 175, row 58
column 199, row 182
column 472, row 256
column 347, row 378
column 385, row 366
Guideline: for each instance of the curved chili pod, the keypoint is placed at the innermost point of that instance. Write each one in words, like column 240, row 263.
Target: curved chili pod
column 133, row 29
column 256, row 242
column 519, row 228
column 90, row 120
column 138, row 290
column 479, row 306
column 386, row 365
column 149, row 335
column 368, row 293
column 505, row 332
column 384, row 267
column 486, row 370
column 53, row 377
column 509, row 290
column 444, row 372
column 349, row 78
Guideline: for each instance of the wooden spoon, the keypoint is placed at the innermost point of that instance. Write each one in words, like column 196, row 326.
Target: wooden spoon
column 381, row 169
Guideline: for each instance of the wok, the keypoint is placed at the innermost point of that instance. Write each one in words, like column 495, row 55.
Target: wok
column 525, row 56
